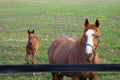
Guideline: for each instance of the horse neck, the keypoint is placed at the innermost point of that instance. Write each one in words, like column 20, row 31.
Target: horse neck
column 79, row 44
column 31, row 43
column 80, row 41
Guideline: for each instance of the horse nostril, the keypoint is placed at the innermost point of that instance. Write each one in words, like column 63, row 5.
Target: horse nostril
column 88, row 55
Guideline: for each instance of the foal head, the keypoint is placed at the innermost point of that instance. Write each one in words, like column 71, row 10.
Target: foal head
column 91, row 34
column 30, row 36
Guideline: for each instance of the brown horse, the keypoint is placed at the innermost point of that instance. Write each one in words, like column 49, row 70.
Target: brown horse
column 32, row 47
column 83, row 50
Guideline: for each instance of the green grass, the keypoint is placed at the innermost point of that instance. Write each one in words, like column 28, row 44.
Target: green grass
column 51, row 19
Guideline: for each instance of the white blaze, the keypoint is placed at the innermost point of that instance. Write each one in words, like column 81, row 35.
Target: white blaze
column 89, row 41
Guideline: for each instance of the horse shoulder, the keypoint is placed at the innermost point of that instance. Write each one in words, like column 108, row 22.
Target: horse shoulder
column 75, row 56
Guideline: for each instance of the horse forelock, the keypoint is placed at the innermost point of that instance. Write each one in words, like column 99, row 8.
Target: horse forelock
column 93, row 27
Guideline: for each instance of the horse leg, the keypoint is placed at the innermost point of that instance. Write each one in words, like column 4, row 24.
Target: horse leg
column 61, row 77
column 34, row 60
column 94, row 77
column 28, row 58
column 55, row 76
column 75, row 78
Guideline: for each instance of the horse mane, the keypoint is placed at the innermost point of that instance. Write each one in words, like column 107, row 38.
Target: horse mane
column 80, row 40
column 36, row 37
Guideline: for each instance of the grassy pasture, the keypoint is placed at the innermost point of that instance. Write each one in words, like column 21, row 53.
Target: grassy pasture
column 51, row 19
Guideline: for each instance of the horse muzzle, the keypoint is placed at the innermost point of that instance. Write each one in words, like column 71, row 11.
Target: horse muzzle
column 89, row 56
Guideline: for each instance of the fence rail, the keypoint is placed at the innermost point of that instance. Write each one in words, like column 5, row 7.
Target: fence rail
column 60, row 68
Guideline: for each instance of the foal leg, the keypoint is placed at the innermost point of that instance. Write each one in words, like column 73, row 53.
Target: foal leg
column 34, row 58
column 28, row 58
column 34, row 61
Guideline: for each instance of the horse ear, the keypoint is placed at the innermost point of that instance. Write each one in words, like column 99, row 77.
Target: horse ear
column 28, row 31
column 86, row 22
column 97, row 23
column 33, row 31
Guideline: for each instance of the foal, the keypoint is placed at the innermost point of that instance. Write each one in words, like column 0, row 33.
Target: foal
column 32, row 47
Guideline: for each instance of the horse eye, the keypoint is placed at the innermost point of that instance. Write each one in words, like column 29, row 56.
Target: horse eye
column 97, row 36
column 84, row 35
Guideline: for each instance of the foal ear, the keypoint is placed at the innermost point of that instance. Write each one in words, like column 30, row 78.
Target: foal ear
column 33, row 31
column 86, row 22
column 97, row 23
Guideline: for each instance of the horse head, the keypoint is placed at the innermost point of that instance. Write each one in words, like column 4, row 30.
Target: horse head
column 30, row 36
column 91, row 34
